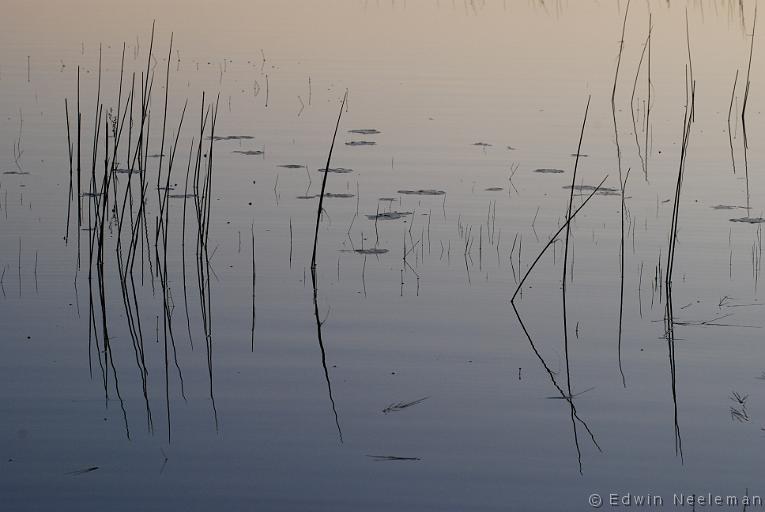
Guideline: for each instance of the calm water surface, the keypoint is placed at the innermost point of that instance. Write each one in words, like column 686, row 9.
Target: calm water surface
column 313, row 402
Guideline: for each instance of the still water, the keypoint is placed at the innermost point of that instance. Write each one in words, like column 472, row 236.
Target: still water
column 170, row 349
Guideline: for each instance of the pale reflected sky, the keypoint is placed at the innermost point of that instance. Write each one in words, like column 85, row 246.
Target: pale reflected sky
column 503, row 61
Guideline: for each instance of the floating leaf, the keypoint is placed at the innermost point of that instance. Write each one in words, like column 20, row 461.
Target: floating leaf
column 337, row 170
column 388, row 215
column 231, row 137
column 421, row 192
column 250, row 152
column 727, row 207
column 380, row 458
column 749, row 220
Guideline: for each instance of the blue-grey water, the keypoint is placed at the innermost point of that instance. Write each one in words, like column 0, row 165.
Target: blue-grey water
column 307, row 403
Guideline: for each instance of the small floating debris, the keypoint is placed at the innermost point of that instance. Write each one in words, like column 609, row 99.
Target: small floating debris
column 171, row 187
column 20, row 173
column 250, row 152
column 494, row 189
column 399, row 406
column 727, row 207
column 337, row 170
column 511, row 148
column 549, row 171
column 92, row 194
column 365, row 131
column 749, row 220
column 387, row 199
column 83, row 471
column 360, row 143
column 482, row 144
column 582, row 155
column 381, row 458
column 182, row 196
column 128, row 171
column 292, row 166
column 422, row 192
column 388, row 215
column 231, row 137
column 156, row 155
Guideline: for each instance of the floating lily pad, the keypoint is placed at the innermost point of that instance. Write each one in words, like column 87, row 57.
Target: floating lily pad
column 388, row 215
column 422, row 192
column 365, row 131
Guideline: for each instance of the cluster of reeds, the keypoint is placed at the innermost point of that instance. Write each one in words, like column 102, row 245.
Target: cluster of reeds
column 120, row 210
